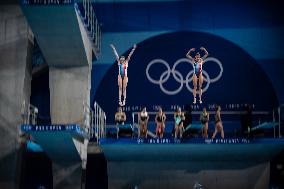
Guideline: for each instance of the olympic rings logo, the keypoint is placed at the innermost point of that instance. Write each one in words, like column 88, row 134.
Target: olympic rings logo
column 179, row 77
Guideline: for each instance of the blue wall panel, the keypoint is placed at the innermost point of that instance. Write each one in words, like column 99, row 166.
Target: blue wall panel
column 254, row 30
column 243, row 80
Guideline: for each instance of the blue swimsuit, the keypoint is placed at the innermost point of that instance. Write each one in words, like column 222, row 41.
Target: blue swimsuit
column 197, row 68
column 122, row 69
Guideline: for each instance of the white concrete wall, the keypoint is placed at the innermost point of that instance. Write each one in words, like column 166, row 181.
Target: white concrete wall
column 15, row 86
column 69, row 89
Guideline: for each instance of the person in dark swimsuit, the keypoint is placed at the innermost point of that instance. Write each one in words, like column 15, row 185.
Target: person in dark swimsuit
column 160, row 122
column 204, row 118
column 187, row 121
column 218, row 123
column 120, row 117
column 143, row 121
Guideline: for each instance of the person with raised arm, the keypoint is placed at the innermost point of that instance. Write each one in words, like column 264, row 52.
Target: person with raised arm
column 122, row 77
column 197, row 71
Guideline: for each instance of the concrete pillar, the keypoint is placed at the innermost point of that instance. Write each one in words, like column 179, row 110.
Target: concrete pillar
column 15, row 86
column 69, row 89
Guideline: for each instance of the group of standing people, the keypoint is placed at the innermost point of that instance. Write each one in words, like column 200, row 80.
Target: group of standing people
column 179, row 122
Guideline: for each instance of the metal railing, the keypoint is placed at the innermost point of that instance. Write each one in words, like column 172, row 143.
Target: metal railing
column 199, row 112
column 99, row 122
column 91, row 23
column 29, row 114
column 88, row 123
column 274, row 121
column 279, row 119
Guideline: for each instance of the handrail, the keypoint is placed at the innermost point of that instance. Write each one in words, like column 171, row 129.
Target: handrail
column 199, row 112
column 279, row 120
column 99, row 122
column 29, row 113
column 88, row 120
column 88, row 16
